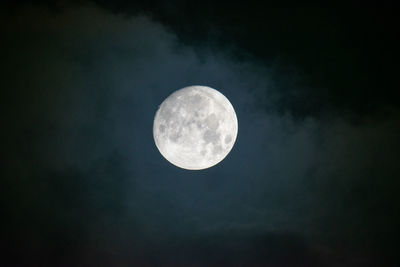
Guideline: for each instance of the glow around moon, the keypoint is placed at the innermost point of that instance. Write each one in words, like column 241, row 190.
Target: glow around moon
column 195, row 127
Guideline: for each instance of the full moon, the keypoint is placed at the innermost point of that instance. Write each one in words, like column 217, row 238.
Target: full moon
column 195, row 127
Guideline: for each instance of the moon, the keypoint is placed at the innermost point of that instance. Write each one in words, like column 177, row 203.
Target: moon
column 195, row 127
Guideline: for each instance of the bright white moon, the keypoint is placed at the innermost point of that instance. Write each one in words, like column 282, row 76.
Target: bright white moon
column 195, row 127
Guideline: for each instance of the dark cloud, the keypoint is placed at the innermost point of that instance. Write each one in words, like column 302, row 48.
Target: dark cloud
column 85, row 184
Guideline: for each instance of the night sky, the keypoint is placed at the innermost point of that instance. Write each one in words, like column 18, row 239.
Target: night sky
column 313, row 179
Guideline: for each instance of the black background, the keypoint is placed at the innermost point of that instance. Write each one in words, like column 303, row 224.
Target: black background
column 311, row 181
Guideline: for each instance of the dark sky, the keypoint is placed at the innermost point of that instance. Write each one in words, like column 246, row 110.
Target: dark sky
column 312, row 180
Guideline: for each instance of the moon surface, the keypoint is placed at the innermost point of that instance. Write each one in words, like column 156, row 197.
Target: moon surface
column 195, row 127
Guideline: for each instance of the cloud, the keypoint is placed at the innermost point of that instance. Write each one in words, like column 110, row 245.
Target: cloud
column 83, row 87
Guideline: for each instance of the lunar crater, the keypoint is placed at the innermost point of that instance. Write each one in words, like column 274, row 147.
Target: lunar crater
column 228, row 139
column 211, row 137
